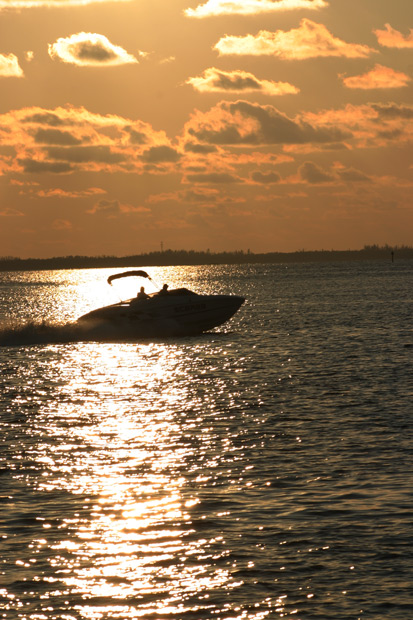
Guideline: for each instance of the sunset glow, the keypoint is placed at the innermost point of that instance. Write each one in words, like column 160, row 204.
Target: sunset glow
column 269, row 125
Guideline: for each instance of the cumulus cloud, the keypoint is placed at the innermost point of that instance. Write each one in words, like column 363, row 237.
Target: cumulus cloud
column 309, row 40
column 70, row 138
column 393, row 38
column 216, row 80
column 252, row 7
column 9, row 66
column 87, row 49
column 370, row 125
column 379, row 77
column 30, row 4
column 244, row 123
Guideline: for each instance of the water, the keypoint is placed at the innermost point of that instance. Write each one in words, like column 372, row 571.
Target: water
column 259, row 471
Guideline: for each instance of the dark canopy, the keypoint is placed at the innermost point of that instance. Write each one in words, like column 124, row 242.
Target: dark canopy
column 126, row 274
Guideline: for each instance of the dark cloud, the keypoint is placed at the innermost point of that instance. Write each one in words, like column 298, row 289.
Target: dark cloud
column 271, row 127
column 213, row 177
column 391, row 134
column 314, row 174
column 265, row 177
column 393, row 110
column 160, row 154
column 200, row 149
column 98, row 52
column 38, row 167
column 236, row 82
column 353, row 175
column 136, row 137
column 200, row 197
column 55, row 136
column 45, row 118
column 84, row 154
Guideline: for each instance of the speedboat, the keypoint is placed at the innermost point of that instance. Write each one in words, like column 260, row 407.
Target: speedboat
column 174, row 312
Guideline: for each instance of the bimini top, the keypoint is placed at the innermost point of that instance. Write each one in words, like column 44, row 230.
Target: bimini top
column 126, row 274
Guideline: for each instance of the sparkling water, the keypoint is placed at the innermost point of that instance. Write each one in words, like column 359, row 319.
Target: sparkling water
column 262, row 470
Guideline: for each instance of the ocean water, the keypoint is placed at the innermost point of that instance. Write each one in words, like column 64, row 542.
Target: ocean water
column 262, row 470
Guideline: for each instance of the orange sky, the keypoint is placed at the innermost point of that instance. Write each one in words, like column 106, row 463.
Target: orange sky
column 269, row 125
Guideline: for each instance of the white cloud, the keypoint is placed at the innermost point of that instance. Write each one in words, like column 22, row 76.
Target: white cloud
column 87, row 49
column 252, row 7
column 9, row 66
column 309, row 40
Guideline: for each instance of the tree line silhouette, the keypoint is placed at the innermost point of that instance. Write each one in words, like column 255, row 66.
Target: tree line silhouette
column 193, row 257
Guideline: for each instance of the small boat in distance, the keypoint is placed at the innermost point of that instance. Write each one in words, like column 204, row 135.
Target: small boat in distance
column 174, row 312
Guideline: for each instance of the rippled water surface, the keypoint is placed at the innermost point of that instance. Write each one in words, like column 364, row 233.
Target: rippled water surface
column 262, row 470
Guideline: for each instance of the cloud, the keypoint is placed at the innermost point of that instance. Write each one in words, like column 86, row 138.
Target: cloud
column 244, row 123
column 40, row 140
column 106, row 207
column 55, row 136
column 393, row 38
column 114, row 208
column 213, row 178
column 61, row 225
column 62, row 193
column 30, row 4
column 9, row 66
column 10, row 212
column 160, row 154
column 352, row 175
column 265, row 178
column 314, row 174
column 370, row 125
column 45, row 118
column 34, row 166
column 87, row 49
column 393, row 110
column 99, row 153
column 215, row 80
column 251, row 7
column 379, row 77
column 200, row 149
column 309, row 40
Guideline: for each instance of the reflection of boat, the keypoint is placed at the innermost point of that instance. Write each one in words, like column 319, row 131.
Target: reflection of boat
column 178, row 312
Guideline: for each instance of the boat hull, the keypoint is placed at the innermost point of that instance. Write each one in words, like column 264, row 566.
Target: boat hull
column 158, row 316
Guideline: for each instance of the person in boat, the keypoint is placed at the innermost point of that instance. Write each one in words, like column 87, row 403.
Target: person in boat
column 142, row 294
column 164, row 290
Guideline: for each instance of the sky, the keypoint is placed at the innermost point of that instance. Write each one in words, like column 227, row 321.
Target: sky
column 128, row 126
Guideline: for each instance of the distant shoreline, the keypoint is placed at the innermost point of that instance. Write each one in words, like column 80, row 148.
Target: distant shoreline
column 170, row 258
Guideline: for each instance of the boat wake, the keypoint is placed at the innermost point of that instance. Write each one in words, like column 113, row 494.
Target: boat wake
column 32, row 333
column 44, row 333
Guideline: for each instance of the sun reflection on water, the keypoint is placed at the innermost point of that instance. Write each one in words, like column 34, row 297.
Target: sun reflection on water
column 134, row 551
